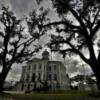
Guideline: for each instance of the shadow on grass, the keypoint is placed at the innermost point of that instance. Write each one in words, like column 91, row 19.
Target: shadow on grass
column 62, row 95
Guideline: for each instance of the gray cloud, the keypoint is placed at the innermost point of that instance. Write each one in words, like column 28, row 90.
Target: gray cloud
column 4, row 2
column 22, row 7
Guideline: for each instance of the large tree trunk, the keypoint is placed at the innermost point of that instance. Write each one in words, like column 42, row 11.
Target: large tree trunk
column 97, row 75
column 2, row 80
column 98, row 83
column 96, row 69
column 3, row 76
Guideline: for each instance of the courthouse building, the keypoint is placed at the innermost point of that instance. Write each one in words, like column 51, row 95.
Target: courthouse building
column 43, row 73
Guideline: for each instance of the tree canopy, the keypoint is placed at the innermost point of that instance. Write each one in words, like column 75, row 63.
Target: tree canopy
column 16, row 46
column 79, row 32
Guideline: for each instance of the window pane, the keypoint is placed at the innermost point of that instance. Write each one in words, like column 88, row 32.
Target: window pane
column 50, row 77
column 27, row 78
column 29, row 67
column 49, row 68
column 35, row 67
column 55, row 67
column 55, row 77
column 39, row 77
column 33, row 77
column 40, row 66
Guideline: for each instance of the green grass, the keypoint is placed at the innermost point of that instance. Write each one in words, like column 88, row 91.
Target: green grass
column 68, row 95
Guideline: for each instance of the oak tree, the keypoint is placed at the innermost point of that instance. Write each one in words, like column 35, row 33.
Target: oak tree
column 79, row 32
column 14, row 43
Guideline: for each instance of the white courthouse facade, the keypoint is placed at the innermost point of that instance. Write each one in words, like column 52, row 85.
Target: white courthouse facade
column 40, row 74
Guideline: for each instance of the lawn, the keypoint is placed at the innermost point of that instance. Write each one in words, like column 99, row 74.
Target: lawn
column 70, row 95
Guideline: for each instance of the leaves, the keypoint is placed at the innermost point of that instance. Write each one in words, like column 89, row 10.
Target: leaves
column 39, row 1
column 61, row 5
column 14, row 42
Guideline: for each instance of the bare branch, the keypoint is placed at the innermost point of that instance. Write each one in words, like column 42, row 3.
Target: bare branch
column 2, row 34
column 73, row 49
column 85, row 7
column 95, row 18
column 96, row 28
column 28, row 42
column 63, row 23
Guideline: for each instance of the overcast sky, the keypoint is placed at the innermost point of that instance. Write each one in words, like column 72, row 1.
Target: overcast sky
column 21, row 8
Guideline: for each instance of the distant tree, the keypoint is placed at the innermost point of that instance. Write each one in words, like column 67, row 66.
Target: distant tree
column 91, row 79
column 78, row 78
column 79, row 32
column 14, row 44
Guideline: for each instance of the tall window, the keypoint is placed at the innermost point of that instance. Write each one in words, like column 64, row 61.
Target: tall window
column 27, row 78
column 34, row 66
column 40, row 66
column 29, row 67
column 50, row 77
column 49, row 68
column 39, row 77
column 54, row 67
column 33, row 77
column 55, row 77
column 28, row 86
column 22, row 87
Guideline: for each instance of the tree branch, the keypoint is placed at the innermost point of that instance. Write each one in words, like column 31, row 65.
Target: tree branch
column 82, row 25
column 2, row 34
column 95, row 18
column 72, row 49
column 28, row 42
column 99, row 57
column 96, row 28
column 63, row 23
column 86, row 7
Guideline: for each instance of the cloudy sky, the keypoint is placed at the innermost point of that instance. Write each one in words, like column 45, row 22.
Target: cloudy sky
column 21, row 8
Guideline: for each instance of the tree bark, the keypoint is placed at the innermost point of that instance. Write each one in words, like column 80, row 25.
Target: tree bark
column 96, row 69
column 97, row 75
column 2, row 80
column 3, row 76
column 98, row 83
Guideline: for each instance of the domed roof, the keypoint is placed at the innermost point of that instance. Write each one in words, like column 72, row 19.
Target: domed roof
column 45, row 54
